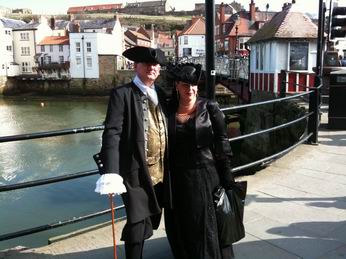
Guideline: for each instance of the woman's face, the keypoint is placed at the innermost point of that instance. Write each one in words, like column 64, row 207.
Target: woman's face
column 187, row 92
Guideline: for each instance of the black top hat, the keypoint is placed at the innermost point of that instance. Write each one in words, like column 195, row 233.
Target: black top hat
column 145, row 55
column 187, row 72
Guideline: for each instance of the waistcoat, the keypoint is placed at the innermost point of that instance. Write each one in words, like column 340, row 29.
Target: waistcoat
column 156, row 142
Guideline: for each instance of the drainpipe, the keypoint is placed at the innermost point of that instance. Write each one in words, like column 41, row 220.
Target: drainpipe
column 83, row 57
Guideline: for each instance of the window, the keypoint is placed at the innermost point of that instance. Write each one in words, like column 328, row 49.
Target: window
column 226, row 44
column 43, row 48
column 78, row 60
column 25, row 51
column 299, row 52
column 187, row 52
column 3, row 66
column 61, row 48
column 25, row 67
column 186, row 40
column 9, row 48
column 61, row 59
column 88, row 44
column 77, row 46
column 49, row 59
column 89, row 62
column 50, row 48
column 24, row 36
column 260, row 56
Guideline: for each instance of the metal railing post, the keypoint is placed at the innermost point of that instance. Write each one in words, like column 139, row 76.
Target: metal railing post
column 314, row 104
column 314, row 100
column 210, row 48
column 283, row 84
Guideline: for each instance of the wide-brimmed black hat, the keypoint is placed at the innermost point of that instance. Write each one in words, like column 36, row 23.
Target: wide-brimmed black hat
column 186, row 72
column 141, row 54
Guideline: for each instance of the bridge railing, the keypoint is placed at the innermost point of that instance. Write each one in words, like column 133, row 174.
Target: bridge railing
column 233, row 68
column 310, row 136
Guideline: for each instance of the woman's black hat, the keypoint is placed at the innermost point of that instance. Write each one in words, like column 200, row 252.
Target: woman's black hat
column 141, row 54
column 186, row 72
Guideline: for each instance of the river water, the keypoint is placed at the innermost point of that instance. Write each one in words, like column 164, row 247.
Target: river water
column 29, row 160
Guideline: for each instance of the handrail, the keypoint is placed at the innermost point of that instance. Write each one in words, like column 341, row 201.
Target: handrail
column 41, row 228
column 269, row 158
column 270, row 129
column 16, row 186
column 240, row 107
column 53, row 133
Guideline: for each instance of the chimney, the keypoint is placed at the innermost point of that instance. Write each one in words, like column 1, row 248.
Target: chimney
column 76, row 27
column 52, row 23
column 286, row 6
column 194, row 19
column 252, row 11
column 222, row 18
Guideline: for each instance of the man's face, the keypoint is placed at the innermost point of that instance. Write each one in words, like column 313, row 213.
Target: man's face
column 147, row 72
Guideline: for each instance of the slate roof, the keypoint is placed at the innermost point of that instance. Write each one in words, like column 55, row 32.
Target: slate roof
column 11, row 23
column 28, row 26
column 61, row 24
column 93, row 24
column 287, row 24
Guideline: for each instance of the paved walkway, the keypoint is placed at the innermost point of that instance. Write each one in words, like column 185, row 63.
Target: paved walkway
column 295, row 208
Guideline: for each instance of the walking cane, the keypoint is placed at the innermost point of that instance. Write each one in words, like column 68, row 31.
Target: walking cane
column 113, row 226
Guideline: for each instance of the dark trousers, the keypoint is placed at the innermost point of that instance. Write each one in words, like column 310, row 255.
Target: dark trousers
column 135, row 234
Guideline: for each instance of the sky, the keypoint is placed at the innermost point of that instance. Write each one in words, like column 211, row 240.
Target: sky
column 61, row 6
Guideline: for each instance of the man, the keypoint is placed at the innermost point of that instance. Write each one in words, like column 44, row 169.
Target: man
column 134, row 146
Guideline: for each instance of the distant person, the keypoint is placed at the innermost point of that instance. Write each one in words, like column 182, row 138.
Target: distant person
column 199, row 161
column 134, row 147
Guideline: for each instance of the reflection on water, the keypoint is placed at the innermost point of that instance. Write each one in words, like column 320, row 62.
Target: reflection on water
column 28, row 160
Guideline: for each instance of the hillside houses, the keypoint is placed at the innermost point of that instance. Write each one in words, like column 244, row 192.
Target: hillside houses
column 62, row 50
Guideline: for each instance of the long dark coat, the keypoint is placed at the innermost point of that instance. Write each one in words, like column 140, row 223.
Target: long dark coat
column 123, row 152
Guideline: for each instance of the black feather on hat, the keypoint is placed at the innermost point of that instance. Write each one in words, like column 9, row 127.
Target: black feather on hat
column 141, row 54
column 186, row 72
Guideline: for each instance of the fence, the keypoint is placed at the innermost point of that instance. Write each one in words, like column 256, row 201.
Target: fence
column 311, row 136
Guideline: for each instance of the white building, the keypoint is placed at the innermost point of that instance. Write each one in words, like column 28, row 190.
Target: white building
column 89, row 40
column 286, row 43
column 7, row 65
column 25, row 40
column 52, row 57
column 85, row 49
column 191, row 41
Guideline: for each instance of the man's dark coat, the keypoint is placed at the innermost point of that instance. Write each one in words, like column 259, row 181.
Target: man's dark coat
column 122, row 151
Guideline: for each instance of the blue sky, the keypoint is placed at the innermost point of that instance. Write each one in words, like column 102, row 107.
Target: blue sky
column 61, row 6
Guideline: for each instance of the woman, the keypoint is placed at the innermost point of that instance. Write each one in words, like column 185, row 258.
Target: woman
column 199, row 161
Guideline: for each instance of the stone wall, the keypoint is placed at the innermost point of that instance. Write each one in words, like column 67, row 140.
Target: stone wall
column 3, row 80
column 102, row 86
column 83, row 87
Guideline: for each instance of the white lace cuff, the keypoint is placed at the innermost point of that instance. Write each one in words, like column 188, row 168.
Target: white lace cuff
column 110, row 183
